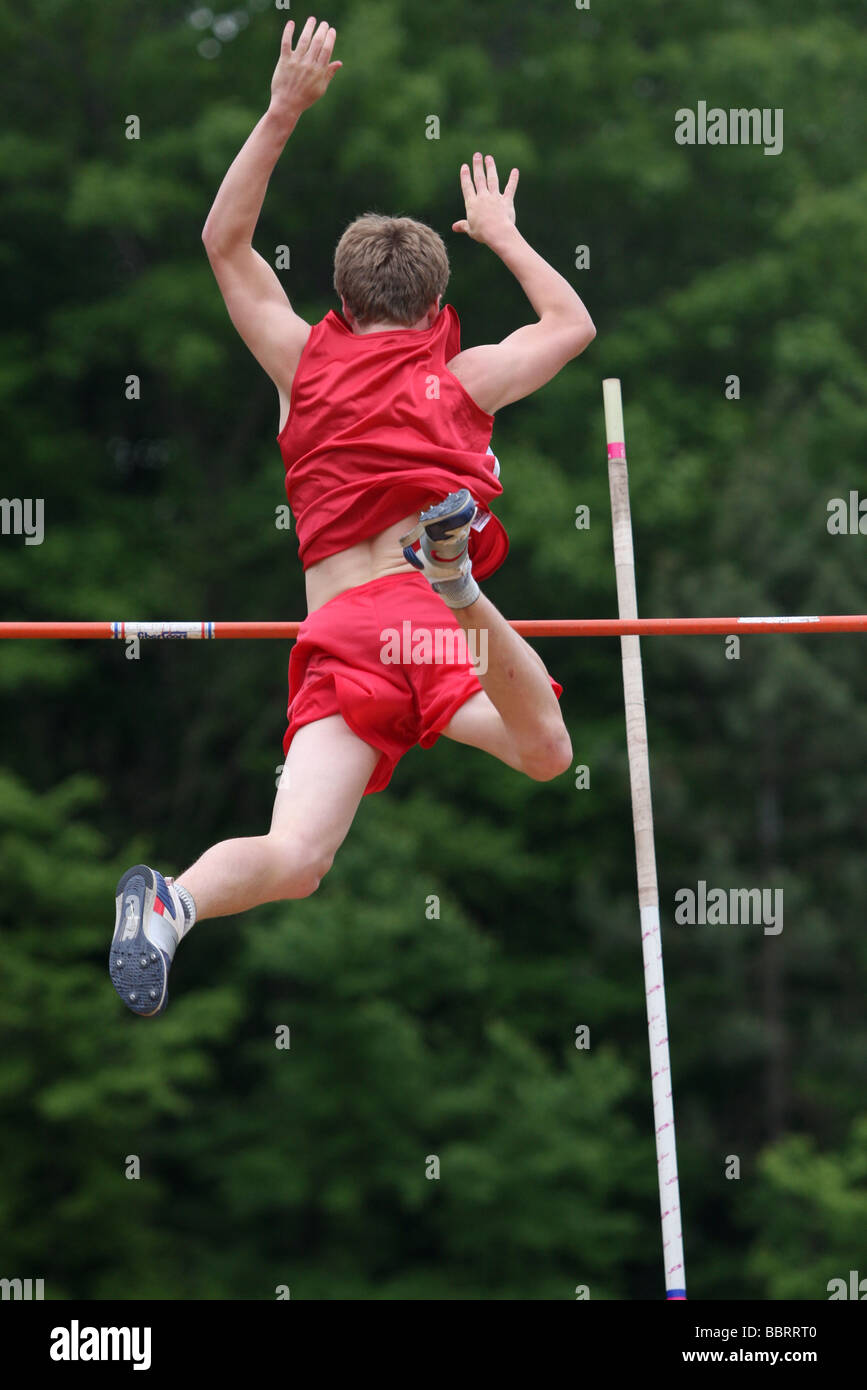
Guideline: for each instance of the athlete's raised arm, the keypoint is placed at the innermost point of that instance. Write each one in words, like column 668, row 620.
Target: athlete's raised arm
column 497, row 373
column 256, row 301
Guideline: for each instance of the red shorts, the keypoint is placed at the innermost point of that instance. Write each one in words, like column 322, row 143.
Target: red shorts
column 384, row 655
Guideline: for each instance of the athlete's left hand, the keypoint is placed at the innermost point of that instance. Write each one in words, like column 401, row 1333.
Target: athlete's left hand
column 302, row 74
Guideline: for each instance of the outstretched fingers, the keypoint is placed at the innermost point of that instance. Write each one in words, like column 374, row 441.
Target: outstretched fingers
column 318, row 42
column 491, row 175
column 479, row 176
column 483, row 181
column 466, row 182
column 305, row 38
column 328, row 48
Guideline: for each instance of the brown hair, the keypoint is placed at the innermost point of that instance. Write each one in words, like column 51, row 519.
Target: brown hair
column 389, row 269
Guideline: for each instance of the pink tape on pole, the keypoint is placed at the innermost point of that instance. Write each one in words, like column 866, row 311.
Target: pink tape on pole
column 617, row 451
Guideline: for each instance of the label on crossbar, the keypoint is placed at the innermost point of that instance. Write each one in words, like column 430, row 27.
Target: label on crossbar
column 778, row 620
column 163, row 631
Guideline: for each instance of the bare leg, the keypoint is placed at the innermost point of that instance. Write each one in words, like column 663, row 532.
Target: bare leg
column 528, row 731
column 326, row 771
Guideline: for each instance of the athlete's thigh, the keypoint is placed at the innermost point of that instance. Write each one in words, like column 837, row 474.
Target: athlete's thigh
column 479, row 723
column 326, row 771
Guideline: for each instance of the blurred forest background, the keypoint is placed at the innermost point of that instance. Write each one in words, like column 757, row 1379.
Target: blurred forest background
column 454, row 1036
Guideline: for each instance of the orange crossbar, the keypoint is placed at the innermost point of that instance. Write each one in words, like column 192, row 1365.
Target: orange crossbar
column 531, row 627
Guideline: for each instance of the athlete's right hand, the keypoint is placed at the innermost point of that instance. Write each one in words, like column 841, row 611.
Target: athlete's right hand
column 302, row 75
column 489, row 212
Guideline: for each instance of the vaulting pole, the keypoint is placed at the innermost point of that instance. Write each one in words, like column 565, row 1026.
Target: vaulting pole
column 645, row 853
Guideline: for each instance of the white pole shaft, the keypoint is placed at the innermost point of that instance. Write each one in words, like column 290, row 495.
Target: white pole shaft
column 645, row 853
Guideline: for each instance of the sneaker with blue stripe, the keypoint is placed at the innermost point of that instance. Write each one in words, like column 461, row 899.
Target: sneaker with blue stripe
column 149, row 923
column 443, row 556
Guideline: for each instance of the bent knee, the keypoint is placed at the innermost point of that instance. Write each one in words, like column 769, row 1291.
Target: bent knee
column 299, row 868
column 549, row 757
column 304, row 885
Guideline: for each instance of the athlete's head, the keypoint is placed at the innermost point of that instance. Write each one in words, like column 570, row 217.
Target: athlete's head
column 389, row 269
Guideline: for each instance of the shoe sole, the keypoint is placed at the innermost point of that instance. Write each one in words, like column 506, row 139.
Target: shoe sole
column 439, row 523
column 458, row 509
column 137, row 966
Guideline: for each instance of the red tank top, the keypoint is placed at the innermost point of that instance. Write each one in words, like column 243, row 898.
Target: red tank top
column 379, row 427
